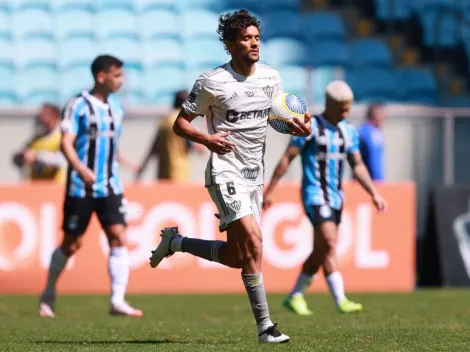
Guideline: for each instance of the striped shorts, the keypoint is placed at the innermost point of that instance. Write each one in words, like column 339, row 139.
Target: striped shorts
column 235, row 200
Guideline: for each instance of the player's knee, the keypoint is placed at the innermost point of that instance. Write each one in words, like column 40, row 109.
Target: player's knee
column 330, row 248
column 115, row 235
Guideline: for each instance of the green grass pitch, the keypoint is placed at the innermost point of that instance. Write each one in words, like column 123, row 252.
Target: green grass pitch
column 421, row 321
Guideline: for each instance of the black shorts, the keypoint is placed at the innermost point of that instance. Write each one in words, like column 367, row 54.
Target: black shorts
column 77, row 212
column 319, row 214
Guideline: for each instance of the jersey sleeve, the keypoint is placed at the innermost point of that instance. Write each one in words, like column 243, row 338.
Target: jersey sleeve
column 201, row 97
column 70, row 117
column 278, row 85
column 353, row 145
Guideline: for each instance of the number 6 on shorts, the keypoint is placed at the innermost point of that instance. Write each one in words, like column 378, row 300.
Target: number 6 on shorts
column 231, row 188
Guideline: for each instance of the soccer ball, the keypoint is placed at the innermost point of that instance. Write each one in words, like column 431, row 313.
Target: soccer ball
column 285, row 107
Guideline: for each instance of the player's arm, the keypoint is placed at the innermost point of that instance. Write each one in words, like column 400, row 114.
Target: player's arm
column 127, row 163
column 197, row 104
column 291, row 152
column 69, row 127
column 362, row 175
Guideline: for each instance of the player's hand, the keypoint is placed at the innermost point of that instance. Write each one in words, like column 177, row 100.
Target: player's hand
column 267, row 200
column 380, row 203
column 301, row 128
column 29, row 156
column 87, row 175
column 217, row 143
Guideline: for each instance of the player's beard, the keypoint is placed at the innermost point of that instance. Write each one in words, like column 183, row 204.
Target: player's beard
column 249, row 60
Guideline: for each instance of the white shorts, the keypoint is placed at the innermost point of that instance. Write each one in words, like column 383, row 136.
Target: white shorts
column 235, row 200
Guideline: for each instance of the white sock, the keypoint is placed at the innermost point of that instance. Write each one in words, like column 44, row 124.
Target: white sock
column 336, row 286
column 57, row 265
column 118, row 265
column 302, row 283
column 176, row 243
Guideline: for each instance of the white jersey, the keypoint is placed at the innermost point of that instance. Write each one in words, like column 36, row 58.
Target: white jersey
column 241, row 105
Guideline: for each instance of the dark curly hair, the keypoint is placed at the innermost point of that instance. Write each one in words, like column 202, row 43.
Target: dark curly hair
column 233, row 22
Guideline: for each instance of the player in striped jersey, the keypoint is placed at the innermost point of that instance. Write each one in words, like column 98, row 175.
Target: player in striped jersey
column 91, row 127
column 323, row 153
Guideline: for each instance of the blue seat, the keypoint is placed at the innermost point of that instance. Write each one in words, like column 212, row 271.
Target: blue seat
column 7, row 76
column 33, row 22
column 212, row 5
column 62, row 5
column 163, row 52
column 204, row 27
column 38, row 4
column 74, row 22
column 286, row 51
column 204, row 53
column 77, row 51
column 282, row 24
column 447, row 27
column 127, row 5
column 329, row 53
column 75, row 80
column 159, row 23
column 396, row 9
column 319, row 80
column 36, row 99
column 6, row 52
column 318, row 26
column 234, row 5
column 370, row 52
column 373, row 84
column 417, row 85
column 36, row 51
column 38, row 80
column 115, row 23
column 8, row 98
column 5, row 24
column 294, row 80
column 292, row 5
column 133, row 77
column 163, row 82
column 419, row 5
column 126, row 49
column 146, row 5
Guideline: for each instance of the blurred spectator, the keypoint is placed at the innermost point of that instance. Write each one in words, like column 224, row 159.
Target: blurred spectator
column 41, row 158
column 371, row 142
column 171, row 150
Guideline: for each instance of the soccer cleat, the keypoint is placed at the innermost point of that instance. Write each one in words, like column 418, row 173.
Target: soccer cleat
column 125, row 309
column 164, row 249
column 346, row 306
column 46, row 306
column 272, row 335
column 297, row 304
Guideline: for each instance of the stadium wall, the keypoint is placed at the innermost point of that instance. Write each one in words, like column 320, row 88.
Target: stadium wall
column 425, row 145
column 376, row 252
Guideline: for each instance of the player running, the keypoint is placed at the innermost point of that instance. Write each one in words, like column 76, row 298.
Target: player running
column 323, row 152
column 236, row 99
column 91, row 127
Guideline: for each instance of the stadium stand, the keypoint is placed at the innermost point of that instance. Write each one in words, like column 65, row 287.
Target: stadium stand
column 309, row 45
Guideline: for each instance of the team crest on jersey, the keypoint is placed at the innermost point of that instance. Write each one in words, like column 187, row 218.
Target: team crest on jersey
column 236, row 205
column 250, row 173
column 92, row 132
column 249, row 93
column 234, row 97
column 269, row 91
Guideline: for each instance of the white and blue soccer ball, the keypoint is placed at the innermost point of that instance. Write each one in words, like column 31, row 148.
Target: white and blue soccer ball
column 285, row 107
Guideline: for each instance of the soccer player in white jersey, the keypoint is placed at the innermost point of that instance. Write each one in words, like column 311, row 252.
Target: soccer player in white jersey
column 323, row 153
column 236, row 99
